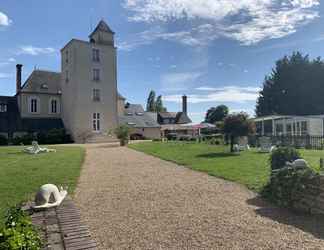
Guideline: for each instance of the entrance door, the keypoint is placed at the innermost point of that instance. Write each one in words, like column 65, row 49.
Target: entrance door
column 96, row 122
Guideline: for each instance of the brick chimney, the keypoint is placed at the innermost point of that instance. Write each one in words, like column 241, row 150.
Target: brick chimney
column 184, row 104
column 18, row 77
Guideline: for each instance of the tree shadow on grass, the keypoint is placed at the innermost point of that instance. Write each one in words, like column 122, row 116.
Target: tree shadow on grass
column 313, row 224
column 217, row 155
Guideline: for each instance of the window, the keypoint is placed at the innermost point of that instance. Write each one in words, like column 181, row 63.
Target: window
column 3, row 107
column 304, row 127
column 96, row 95
column 67, row 56
column 33, row 108
column 95, row 55
column 96, row 121
column 289, row 129
column 54, row 106
column 96, row 75
column 66, row 76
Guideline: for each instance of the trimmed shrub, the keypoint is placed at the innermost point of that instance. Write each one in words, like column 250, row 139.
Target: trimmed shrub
column 281, row 155
column 287, row 185
column 18, row 232
column 3, row 140
column 25, row 139
column 54, row 136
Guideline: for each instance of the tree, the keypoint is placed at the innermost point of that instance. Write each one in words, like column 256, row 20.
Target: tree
column 216, row 114
column 159, row 104
column 151, row 104
column 294, row 87
column 236, row 125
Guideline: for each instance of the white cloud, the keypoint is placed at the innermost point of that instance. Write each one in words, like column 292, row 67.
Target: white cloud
column 5, row 75
column 7, row 62
column 228, row 94
column 11, row 59
column 34, row 51
column 247, row 21
column 178, row 81
column 4, row 19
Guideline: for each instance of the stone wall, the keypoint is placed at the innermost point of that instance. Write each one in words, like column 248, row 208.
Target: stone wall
column 312, row 200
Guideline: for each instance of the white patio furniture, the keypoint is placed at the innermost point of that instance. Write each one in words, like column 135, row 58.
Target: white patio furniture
column 36, row 149
column 242, row 144
column 266, row 145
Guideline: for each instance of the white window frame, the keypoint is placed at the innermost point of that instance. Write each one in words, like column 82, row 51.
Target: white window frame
column 96, row 95
column 58, row 106
column 95, row 55
column 30, row 99
column 3, row 107
column 96, row 122
column 96, row 75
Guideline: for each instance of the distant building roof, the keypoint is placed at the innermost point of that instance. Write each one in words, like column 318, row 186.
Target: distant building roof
column 42, row 81
column 168, row 115
column 135, row 116
column 182, row 118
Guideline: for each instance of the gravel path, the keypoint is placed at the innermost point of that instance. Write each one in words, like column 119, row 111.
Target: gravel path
column 134, row 201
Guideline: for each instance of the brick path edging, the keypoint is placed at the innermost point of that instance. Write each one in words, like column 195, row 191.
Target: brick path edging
column 62, row 229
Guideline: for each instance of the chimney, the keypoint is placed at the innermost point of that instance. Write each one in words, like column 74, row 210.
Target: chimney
column 18, row 77
column 184, row 104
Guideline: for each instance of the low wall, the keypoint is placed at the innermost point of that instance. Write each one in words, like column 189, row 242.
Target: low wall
column 312, row 200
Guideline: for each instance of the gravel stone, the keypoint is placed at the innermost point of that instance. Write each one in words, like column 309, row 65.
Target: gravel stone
column 134, row 201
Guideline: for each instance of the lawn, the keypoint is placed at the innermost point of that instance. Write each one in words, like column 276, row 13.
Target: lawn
column 22, row 174
column 250, row 168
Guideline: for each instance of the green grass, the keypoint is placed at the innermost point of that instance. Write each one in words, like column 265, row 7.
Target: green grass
column 250, row 168
column 21, row 174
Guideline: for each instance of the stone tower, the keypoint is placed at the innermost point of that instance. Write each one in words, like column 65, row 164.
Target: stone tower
column 89, row 85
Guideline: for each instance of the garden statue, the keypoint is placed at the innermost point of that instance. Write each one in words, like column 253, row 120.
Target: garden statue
column 49, row 196
column 36, row 149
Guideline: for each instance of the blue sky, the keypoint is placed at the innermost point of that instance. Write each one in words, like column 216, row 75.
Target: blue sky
column 214, row 51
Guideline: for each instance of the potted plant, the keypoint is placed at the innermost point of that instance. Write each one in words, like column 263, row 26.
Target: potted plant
column 122, row 133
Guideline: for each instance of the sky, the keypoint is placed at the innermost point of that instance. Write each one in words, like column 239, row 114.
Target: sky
column 214, row 51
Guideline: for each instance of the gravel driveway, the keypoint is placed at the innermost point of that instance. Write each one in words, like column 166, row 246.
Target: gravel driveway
column 134, row 201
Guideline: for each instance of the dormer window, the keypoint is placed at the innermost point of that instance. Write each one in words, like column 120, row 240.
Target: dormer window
column 3, row 107
column 44, row 86
column 95, row 55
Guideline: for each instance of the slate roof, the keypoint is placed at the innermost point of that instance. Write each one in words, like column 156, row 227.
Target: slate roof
column 11, row 121
column 176, row 117
column 41, row 81
column 182, row 118
column 135, row 116
column 168, row 115
column 102, row 26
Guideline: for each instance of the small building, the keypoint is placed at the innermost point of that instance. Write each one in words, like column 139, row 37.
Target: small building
column 164, row 118
column 281, row 125
column 143, row 124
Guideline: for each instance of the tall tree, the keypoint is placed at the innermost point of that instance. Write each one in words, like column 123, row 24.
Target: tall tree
column 216, row 114
column 159, row 104
column 294, row 87
column 236, row 125
column 151, row 104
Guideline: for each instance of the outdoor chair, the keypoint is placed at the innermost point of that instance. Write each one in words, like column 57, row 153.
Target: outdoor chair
column 266, row 145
